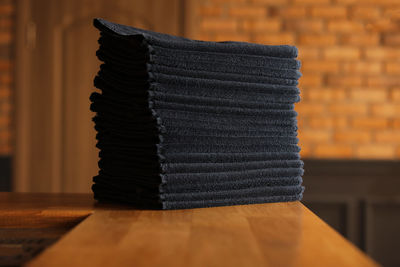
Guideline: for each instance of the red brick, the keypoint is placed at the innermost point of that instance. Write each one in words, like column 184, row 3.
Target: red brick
column 325, row 94
column 262, row 25
column 342, row 53
column 248, row 11
column 7, row 9
column 6, row 79
column 269, row 2
column 229, row 1
column 373, row 151
column 387, row 110
column 346, row 109
column 365, row 12
column 388, row 136
column 369, row 94
column 391, row 39
column 382, row 80
column 370, row 2
column 392, row 67
column 318, row 122
column 205, row 36
column 290, row 12
column 5, row 149
column 382, row 53
column 311, row 2
column 370, row 123
column 303, row 25
column 361, row 67
column 353, row 136
column 5, row 65
column 5, row 120
column 275, row 38
column 6, row 107
column 319, row 66
column 395, row 95
column 396, row 123
column 333, row 151
column 345, row 26
column 344, row 80
column 306, row 52
column 391, row 12
column 328, row 11
column 315, row 136
column 305, row 109
column 310, row 80
column 346, row 2
column 385, row 2
column 5, row 37
column 301, row 121
column 6, row 23
column 383, row 25
column 218, row 25
column 210, row 10
column 317, row 39
column 5, row 93
column 305, row 150
column 367, row 39
column 219, row 37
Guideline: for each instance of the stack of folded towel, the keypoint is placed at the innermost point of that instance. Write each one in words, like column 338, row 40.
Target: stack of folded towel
column 185, row 124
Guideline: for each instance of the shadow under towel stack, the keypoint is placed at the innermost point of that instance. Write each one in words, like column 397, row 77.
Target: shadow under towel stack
column 187, row 124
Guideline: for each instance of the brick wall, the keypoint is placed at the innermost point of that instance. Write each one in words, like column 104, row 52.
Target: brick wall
column 350, row 53
column 6, row 59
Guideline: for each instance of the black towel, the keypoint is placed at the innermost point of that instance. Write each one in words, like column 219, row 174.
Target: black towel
column 138, row 36
column 187, row 124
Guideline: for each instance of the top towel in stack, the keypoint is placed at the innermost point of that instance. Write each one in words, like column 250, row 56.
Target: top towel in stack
column 185, row 124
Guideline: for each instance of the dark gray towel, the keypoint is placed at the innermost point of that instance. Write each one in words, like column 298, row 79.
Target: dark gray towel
column 186, row 124
column 168, row 41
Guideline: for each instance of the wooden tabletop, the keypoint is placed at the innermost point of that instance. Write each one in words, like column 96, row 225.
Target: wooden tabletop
column 278, row 234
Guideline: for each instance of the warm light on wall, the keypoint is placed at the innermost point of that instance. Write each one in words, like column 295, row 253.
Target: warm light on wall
column 351, row 72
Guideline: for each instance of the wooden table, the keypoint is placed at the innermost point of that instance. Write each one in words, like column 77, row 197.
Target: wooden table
column 279, row 234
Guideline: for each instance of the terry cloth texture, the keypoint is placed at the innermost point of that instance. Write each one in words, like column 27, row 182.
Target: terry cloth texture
column 188, row 124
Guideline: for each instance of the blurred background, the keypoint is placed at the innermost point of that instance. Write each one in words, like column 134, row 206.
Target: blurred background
column 349, row 117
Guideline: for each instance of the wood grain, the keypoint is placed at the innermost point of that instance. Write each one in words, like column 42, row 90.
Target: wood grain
column 41, row 210
column 278, row 234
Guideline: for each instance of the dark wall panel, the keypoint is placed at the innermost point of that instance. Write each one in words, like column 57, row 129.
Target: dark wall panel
column 5, row 173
